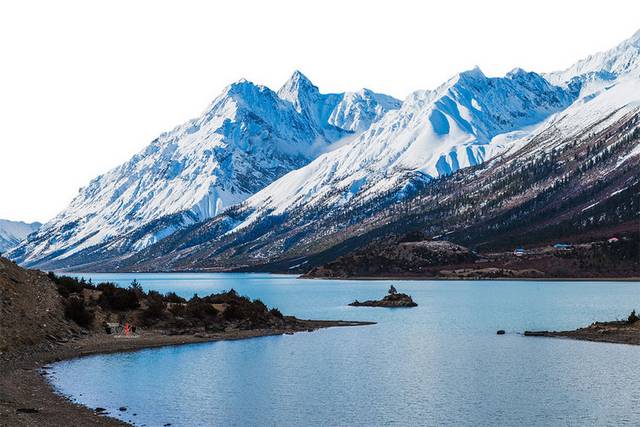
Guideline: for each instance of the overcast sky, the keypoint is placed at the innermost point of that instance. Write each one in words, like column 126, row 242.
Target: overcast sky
column 85, row 85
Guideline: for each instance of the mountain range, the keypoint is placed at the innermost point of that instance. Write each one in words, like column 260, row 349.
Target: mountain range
column 248, row 137
column 13, row 232
column 291, row 179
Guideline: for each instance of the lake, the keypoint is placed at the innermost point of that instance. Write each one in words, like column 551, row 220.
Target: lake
column 440, row 363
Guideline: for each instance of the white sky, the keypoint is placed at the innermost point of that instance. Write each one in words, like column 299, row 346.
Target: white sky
column 85, row 84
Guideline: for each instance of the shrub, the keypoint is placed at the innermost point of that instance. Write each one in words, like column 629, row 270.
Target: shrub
column 75, row 310
column 155, row 307
column 233, row 311
column 116, row 298
column 67, row 285
column 178, row 310
column 136, row 287
column 174, row 298
column 198, row 308
column 259, row 305
column 633, row 317
column 226, row 298
column 275, row 312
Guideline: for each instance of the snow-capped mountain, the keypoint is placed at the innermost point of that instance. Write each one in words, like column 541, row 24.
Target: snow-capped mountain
column 468, row 120
column 462, row 123
column 276, row 158
column 519, row 119
column 352, row 111
column 622, row 59
column 248, row 137
column 13, row 232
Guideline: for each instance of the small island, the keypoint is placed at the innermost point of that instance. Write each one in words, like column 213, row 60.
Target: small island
column 393, row 299
column 617, row 331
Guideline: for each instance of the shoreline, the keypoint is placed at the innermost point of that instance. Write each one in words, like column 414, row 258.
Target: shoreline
column 374, row 278
column 481, row 279
column 27, row 398
column 615, row 332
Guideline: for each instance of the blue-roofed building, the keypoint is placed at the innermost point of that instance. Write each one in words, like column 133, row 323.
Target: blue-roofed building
column 562, row 246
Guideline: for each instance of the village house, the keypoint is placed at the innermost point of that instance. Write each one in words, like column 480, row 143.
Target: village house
column 562, row 246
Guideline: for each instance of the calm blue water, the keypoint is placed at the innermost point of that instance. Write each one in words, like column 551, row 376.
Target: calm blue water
column 438, row 364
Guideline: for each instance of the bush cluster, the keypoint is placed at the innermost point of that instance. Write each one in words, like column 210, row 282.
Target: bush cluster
column 155, row 307
column 200, row 309
column 76, row 310
column 67, row 285
column 197, row 310
column 118, row 299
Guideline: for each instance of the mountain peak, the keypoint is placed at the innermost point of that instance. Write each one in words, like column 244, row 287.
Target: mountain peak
column 240, row 83
column 299, row 76
column 621, row 59
column 516, row 72
column 474, row 73
column 242, row 91
column 239, row 86
column 297, row 84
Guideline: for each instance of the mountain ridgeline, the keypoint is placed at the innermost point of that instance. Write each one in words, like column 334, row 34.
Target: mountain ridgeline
column 293, row 180
column 248, row 137
column 13, row 232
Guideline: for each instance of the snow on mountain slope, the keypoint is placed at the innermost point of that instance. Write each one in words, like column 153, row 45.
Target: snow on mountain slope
column 622, row 59
column 576, row 157
column 248, row 137
column 516, row 123
column 462, row 123
column 466, row 121
column 13, row 232
column 351, row 111
column 258, row 146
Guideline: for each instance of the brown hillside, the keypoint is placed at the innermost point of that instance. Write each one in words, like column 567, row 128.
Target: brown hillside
column 31, row 311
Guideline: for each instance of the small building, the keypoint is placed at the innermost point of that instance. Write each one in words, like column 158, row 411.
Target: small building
column 519, row 252
column 118, row 329
column 113, row 328
column 562, row 246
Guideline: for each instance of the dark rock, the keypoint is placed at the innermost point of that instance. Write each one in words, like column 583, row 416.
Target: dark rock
column 536, row 333
column 27, row 411
column 500, row 332
column 122, row 408
column 100, row 409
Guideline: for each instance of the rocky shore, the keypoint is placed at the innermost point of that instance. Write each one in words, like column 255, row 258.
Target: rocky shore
column 27, row 399
column 418, row 256
column 393, row 299
column 41, row 317
column 618, row 331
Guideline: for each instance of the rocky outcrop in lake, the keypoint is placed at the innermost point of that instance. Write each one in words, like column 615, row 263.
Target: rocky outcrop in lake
column 392, row 299
column 617, row 331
